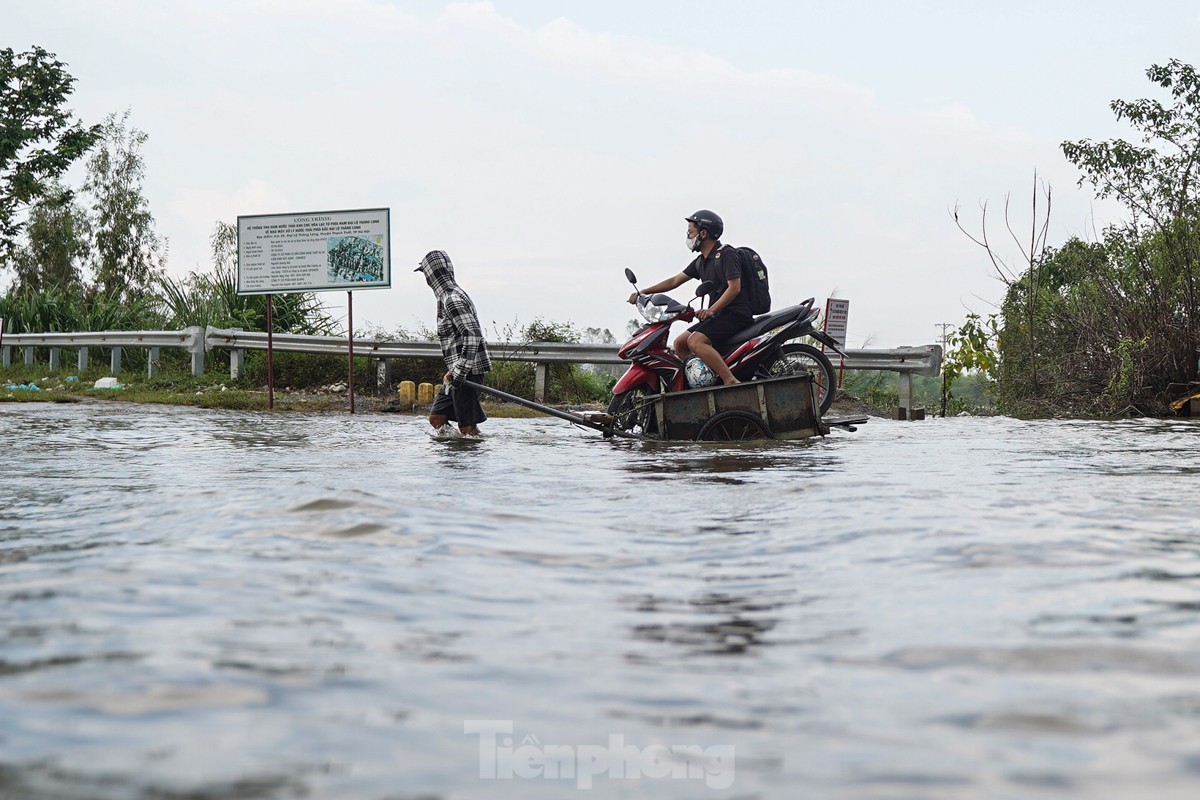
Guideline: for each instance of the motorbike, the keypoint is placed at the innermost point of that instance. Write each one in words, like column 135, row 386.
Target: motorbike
column 763, row 350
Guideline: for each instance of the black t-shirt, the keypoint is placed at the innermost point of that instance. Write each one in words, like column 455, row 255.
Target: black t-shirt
column 722, row 264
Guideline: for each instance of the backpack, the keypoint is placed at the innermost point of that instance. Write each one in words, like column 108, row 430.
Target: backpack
column 754, row 281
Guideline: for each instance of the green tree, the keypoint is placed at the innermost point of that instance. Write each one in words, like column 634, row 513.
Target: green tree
column 1157, row 181
column 1104, row 327
column 56, row 245
column 211, row 298
column 39, row 139
column 972, row 347
column 128, row 254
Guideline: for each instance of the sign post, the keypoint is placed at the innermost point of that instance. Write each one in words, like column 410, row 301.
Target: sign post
column 314, row 252
column 270, row 359
column 350, row 344
column 837, row 316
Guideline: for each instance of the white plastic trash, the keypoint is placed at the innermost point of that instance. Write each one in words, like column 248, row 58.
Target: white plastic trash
column 106, row 383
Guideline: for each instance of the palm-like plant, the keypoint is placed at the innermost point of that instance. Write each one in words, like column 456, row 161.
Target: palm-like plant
column 211, row 298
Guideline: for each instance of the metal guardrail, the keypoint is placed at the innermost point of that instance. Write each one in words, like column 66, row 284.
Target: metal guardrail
column 540, row 354
column 190, row 339
column 923, row 360
column 906, row 361
column 535, row 352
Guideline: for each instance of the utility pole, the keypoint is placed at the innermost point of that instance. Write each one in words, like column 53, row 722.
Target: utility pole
column 945, row 326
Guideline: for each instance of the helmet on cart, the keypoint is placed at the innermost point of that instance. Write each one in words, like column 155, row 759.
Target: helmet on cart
column 698, row 373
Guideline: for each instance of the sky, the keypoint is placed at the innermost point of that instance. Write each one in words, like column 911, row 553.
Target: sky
column 547, row 146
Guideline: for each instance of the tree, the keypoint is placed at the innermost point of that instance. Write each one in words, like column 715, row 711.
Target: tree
column 56, row 246
column 1157, row 182
column 211, row 297
column 1028, row 279
column 1112, row 326
column 128, row 253
column 598, row 336
column 39, row 139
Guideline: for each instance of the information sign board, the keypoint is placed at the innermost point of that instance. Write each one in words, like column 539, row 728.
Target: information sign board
column 837, row 315
column 314, row 252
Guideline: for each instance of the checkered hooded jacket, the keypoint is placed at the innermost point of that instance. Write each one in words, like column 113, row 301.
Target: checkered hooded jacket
column 458, row 328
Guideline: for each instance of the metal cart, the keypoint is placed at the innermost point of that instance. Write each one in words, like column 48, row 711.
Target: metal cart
column 773, row 408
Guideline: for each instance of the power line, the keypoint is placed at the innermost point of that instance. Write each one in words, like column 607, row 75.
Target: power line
column 945, row 326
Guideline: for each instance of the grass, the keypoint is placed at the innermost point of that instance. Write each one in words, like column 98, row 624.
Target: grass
column 201, row 392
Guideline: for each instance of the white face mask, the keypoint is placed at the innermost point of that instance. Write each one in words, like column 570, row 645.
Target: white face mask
column 693, row 243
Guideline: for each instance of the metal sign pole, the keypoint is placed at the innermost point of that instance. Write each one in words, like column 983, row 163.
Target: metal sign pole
column 838, row 311
column 270, row 358
column 350, row 325
column 314, row 251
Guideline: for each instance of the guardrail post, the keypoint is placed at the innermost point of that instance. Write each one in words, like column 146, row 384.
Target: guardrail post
column 6, row 357
column 541, row 381
column 904, row 396
column 116, row 361
column 383, row 375
column 29, row 356
column 54, row 359
column 152, row 363
column 195, row 346
column 237, row 363
column 83, row 359
column 237, row 360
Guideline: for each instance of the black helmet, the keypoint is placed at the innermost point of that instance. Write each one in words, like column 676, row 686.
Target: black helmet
column 707, row 220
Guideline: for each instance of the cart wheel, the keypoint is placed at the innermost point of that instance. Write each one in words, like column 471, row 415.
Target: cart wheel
column 799, row 359
column 734, row 426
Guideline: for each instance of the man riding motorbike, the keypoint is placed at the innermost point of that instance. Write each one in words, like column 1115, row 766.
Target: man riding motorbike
column 728, row 310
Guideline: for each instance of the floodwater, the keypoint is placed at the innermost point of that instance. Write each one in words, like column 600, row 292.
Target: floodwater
column 213, row 604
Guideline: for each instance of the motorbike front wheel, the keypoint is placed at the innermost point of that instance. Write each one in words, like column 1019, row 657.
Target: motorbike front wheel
column 632, row 412
column 802, row 359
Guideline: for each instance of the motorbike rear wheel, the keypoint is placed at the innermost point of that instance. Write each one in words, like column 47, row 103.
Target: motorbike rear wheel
column 801, row 359
column 631, row 412
column 734, row 426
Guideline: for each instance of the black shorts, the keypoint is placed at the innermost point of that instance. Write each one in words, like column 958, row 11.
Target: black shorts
column 461, row 405
column 722, row 327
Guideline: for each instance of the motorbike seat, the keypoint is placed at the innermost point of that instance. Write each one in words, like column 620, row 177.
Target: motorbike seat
column 768, row 321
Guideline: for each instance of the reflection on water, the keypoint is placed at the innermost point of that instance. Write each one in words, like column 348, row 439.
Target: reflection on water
column 239, row 605
column 726, row 624
column 727, row 462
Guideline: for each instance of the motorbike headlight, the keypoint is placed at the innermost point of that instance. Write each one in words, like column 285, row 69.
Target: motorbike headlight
column 653, row 313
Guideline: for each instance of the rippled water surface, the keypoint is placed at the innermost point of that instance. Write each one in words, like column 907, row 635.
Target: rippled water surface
column 211, row 604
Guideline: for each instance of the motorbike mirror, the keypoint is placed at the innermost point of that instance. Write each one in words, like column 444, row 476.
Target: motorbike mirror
column 629, row 276
column 705, row 287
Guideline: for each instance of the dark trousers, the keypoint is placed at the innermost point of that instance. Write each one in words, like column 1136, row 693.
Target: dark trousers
column 459, row 403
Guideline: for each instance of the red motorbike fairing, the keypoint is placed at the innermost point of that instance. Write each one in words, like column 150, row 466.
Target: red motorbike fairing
column 636, row 376
column 645, row 332
column 734, row 359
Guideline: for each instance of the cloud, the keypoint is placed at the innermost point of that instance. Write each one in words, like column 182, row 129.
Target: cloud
column 546, row 158
column 195, row 213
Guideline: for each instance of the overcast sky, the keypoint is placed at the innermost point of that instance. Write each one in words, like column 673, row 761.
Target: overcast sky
column 548, row 145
